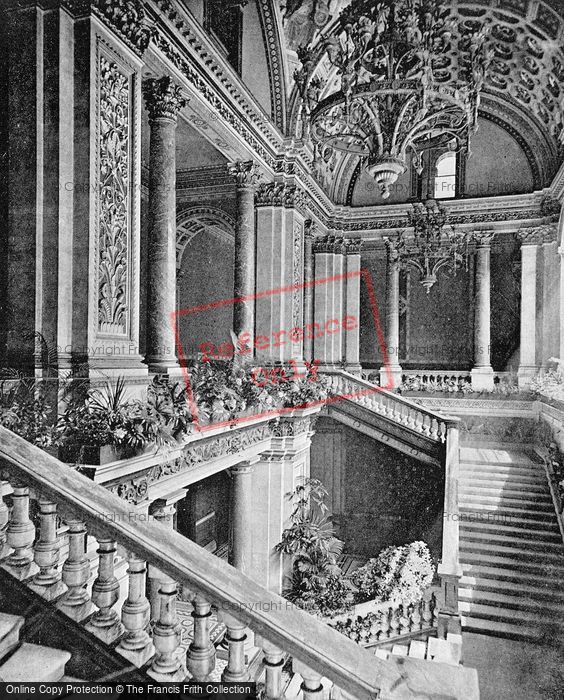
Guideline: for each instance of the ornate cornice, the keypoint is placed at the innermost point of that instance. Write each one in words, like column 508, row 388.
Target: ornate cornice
column 246, row 173
column 163, row 97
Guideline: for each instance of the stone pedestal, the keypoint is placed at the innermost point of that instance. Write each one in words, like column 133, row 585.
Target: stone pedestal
column 164, row 101
column 482, row 372
column 390, row 373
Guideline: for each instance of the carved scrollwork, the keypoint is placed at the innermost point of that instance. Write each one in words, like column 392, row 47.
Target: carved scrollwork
column 128, row 19
column 537, row 234
column 113, row 198
column 133, row 491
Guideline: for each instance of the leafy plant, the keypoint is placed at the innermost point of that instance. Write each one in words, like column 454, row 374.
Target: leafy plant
column 316, row 582
column 25, row 411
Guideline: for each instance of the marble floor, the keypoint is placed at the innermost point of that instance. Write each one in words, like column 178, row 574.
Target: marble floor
column 515, row 670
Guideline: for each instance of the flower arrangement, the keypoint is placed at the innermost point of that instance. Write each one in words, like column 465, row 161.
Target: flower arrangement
column 550, row 384
column 398, row 575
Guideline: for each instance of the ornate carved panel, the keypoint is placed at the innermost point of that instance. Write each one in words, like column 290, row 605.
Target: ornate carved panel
column 297, row 275
column 113, row 218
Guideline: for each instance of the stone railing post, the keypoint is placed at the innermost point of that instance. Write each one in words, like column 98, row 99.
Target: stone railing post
column 164, row 100
column 449, row 568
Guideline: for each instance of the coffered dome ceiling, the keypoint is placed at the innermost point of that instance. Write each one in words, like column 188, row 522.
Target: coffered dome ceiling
column 524, row 87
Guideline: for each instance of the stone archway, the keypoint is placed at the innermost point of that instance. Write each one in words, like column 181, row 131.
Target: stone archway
column 205, row 245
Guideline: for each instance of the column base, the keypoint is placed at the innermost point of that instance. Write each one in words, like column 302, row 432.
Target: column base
column 355, row 369
column 390, row 377
column 482, row 378
column 168, row 366
column 525, row 374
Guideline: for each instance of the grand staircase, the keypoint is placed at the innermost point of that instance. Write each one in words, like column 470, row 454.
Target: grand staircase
column 511, row 548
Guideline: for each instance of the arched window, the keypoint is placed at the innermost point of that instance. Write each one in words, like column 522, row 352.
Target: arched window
column 445, row 178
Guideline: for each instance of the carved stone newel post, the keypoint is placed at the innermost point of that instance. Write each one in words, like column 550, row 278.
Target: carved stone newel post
column 164, row 100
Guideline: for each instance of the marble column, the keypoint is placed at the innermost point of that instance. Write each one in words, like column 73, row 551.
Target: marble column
column 246, row 177
column 390, row 374
column 530, row 239
column 164, row 100
column 309, row 234
column 351, row 322
column 241, row 546
column 482, row 372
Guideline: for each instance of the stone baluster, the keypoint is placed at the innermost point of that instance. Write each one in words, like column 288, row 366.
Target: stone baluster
column 434, row 430
column 200, row 658
column 416, row 616
column 20, row 535
column 385, row 623
column 273, row 663
column 236, row 669
column 403, row 619
column 427, row 613
column 394, row 622
column 311, row 685
column 47, row 582
column 162, row 510
column 105, row 623
column 136, row 645
column 167, row 667
column 76, row 572
column 4, row 520
column 246, row 177
column 164, row 100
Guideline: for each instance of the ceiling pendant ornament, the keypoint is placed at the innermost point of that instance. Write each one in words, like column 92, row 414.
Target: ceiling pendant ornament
column 392, row 96
column 435, row 243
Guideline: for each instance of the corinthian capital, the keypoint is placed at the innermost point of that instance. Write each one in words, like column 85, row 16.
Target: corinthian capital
column 483, row 238
column 537, row 234
column 245, row 172
column 163, row 97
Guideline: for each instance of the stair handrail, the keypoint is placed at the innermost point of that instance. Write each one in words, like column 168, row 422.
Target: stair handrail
column 402, row 406
column 341, row 660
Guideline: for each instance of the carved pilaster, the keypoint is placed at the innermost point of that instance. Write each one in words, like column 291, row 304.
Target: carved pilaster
column 281, row 194
column 482, row 373
column 330, row 244
column 163, row 97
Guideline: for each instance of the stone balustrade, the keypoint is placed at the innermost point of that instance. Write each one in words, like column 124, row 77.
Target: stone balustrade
column 318, row 651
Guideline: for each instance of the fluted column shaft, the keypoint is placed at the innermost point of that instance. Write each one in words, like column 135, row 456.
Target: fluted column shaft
column 241, row 517
column 163, row 100
column 246, row 178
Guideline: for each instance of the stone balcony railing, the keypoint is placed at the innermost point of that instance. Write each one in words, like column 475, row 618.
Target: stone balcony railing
column 317, row 650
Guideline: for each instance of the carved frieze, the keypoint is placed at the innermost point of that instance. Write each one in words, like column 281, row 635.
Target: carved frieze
column 132, row 490
column 214, row 448
column 113, row 198
column 290, row 427
column 163, row 97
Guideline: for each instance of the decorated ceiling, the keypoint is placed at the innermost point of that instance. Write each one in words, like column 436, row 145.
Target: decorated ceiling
column 523, row 91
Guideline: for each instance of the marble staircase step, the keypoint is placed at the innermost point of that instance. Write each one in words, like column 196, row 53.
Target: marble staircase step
column 10, row 626
column 43, row 664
